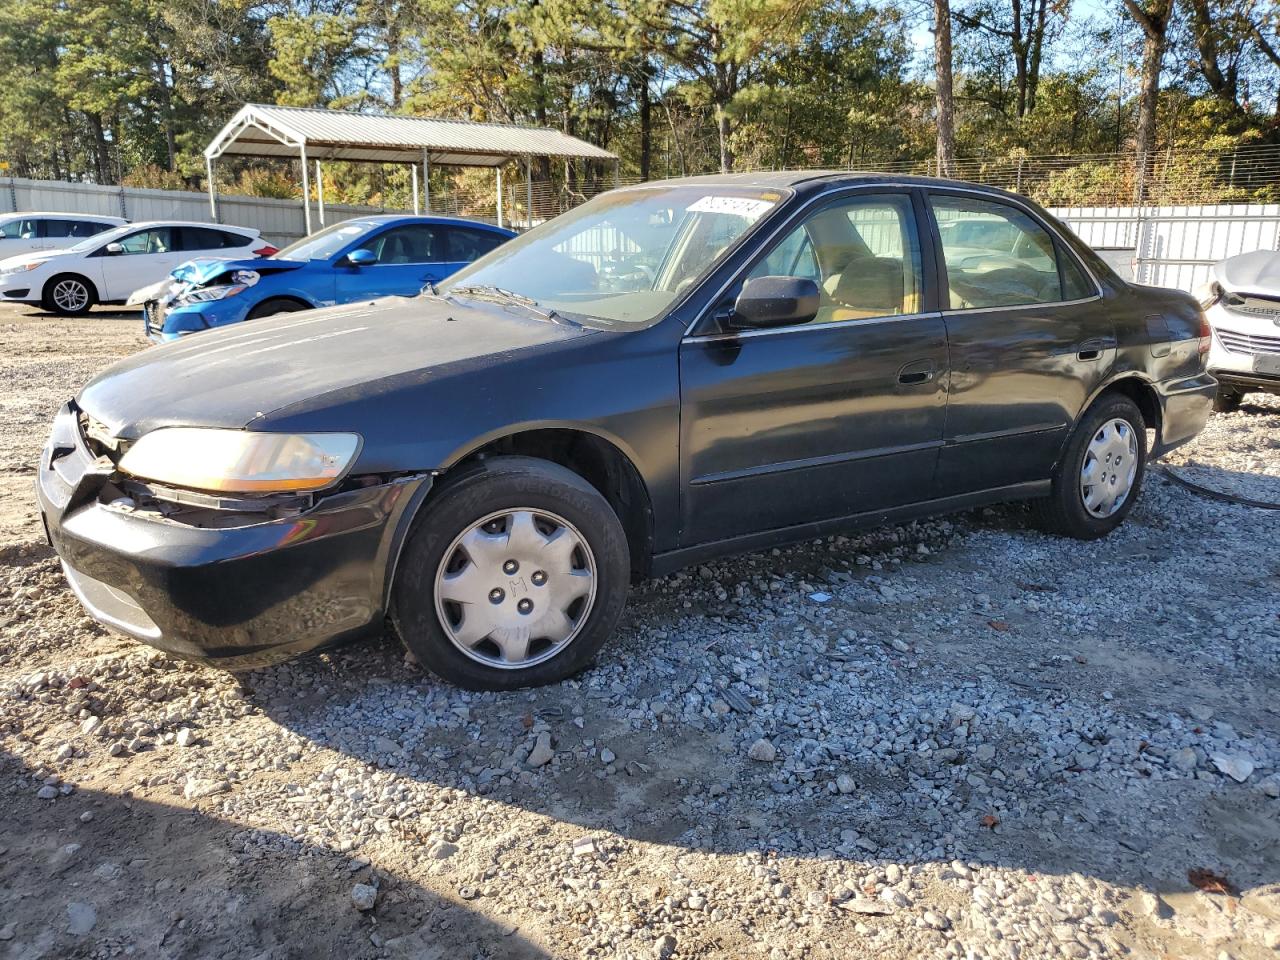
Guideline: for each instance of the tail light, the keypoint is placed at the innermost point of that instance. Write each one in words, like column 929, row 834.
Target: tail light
column 266, row 251
column 1206, row 333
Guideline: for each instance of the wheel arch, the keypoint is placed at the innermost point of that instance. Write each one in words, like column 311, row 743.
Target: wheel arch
column 601, row 459
column 287, row 297
column 75, row 275
column 1141, row 392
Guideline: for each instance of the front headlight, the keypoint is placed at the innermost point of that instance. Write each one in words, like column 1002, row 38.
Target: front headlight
column 241, row 461
column 22, row 267
column 220, row 292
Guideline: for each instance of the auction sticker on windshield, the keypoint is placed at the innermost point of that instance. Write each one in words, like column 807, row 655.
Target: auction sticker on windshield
column 749, row 207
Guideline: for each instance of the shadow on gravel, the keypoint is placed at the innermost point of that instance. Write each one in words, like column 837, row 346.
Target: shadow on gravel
column 149, row 874
column 676, row 784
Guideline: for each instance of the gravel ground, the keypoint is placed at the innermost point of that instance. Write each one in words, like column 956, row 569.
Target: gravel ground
column 958, row 738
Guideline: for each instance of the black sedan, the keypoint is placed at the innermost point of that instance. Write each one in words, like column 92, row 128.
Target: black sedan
column 668, row 373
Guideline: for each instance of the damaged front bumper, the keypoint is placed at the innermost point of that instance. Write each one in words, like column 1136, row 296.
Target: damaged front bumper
column 234, row 588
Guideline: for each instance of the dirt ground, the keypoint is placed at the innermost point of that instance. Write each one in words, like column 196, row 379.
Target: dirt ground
column 979, row 741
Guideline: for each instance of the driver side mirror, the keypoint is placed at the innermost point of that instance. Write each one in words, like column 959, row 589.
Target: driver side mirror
column 362, row 258
column 114, row 249
column 775, row 302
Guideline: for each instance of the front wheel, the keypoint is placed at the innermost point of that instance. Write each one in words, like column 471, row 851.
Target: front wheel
column 69, row 295
column 1098, row 479
column 269, row 308
column 514, row 576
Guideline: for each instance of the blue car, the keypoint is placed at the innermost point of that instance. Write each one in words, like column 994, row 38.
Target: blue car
column 361, row 259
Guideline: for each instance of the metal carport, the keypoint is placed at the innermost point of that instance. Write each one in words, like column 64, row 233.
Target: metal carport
column 314, row 135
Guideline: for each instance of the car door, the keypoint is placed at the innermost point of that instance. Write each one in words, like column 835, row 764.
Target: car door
column 839, row 416
column 18, row 236
column 145, row 257
column 1030, row 340
column 408, row 256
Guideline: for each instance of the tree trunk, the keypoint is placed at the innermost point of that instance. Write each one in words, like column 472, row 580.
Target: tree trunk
column 1019, row 44
column 946, row 147
column 646, row 119
column 1223, row 84
column 723, row 130
column 101, row 153
column 1154, row 20
column 541, row 165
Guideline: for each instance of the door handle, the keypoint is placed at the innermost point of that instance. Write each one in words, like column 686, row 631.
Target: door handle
column 1092, row 349
column 916, row 372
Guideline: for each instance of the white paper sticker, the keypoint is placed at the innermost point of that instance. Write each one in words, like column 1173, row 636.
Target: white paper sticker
column 750, row 208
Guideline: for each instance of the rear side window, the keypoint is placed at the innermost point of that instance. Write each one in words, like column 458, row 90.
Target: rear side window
column 233, row 239
column 997, row 255
column 87, row 228
column 467, row 244
column 202, row 238
column 1075, row 285
column 56, row 228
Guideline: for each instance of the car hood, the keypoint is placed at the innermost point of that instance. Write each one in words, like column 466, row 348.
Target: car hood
column 36, row 256
column 1255, row 273
column 234, row 375
column 203, row 270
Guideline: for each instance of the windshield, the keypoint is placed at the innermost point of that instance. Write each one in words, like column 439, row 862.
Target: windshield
column 624, row 256
column 324, row 244
column 102, row 239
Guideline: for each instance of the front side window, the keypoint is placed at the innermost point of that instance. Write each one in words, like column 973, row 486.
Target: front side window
column 998, row 256
column 18, row 230
column 155, row 240
column 864, row 254
column 624, row 256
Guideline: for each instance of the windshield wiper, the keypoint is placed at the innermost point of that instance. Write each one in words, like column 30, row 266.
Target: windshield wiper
column 500, row 295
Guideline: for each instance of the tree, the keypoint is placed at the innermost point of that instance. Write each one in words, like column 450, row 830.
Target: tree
column 1153, row 17
column 944, row 88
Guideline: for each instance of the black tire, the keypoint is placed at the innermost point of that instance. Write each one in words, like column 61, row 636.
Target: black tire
column 73, row 280
column 469, row 495
column 1063, row 512
column 269, row 308
column 1227, row 400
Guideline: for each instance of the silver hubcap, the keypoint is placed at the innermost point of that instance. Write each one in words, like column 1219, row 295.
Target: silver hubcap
column 515, row 587
column 70, row 294
column 1110, row 464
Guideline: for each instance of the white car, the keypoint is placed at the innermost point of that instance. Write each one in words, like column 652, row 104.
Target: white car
column 1242, row 302
column 108, row 267
column 28, row 232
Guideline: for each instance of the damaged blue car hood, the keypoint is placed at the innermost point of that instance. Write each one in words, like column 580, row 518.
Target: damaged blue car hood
column 201, row 271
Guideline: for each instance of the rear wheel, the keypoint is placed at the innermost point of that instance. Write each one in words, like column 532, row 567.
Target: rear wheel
column 1100, row 475
column 268, row 308
column 69, row 295
column 1227, row 400
column 514, row 576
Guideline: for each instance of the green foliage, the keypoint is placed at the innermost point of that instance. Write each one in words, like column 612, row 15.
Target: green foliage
column 133, row 89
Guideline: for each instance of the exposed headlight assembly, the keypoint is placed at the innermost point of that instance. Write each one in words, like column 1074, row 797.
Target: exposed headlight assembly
column 219, row 292
column 241, row 461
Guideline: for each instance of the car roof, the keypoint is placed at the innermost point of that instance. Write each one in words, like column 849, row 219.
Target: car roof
column 818, row 179
column 431, row 218
column 253, row 231
column 66, row 215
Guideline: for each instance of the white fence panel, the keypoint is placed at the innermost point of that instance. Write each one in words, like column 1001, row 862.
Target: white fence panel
column 1175, row 246
column 279, row 221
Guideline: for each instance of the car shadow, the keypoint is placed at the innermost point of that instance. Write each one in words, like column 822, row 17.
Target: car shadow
column 149, row 874
column 671, row 701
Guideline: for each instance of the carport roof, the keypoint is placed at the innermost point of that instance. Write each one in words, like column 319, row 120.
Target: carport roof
column 266, row 131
